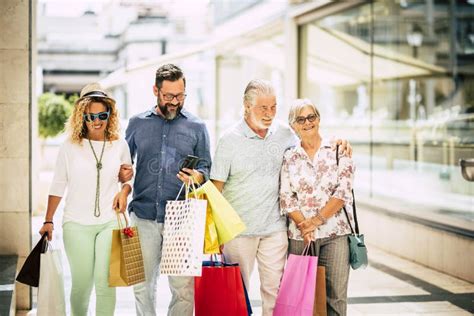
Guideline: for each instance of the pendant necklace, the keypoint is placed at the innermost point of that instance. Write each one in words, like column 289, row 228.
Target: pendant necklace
column 98, row 166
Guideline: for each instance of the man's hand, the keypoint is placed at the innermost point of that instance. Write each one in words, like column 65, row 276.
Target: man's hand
column 344, row 146
column 125, row 173
column 186, row 174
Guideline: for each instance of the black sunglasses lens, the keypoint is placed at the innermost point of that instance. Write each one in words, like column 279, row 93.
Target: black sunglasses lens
column 87, row 117
column 103, row 116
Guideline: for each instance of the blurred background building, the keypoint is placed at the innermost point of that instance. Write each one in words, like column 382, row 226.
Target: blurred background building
column 394, row 77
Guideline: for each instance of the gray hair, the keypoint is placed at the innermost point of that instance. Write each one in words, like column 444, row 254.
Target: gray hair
column 297, row 107
column 257, row 87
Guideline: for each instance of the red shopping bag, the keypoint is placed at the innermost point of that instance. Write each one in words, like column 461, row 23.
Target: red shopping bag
column 220, row 291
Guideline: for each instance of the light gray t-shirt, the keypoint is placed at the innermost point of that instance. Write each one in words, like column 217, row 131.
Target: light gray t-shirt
column 250, row 167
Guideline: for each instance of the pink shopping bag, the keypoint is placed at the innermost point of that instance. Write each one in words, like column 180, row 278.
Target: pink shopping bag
column 297, row 288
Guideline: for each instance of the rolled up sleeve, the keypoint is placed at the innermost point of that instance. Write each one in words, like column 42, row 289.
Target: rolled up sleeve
column 345, row 177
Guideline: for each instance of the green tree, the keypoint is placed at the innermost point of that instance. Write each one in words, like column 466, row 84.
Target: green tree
column 53, row 112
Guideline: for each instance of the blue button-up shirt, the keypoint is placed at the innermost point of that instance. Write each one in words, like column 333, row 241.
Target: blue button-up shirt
column 158, row 147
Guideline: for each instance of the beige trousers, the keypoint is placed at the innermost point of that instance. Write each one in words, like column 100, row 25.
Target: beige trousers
column 270, row 252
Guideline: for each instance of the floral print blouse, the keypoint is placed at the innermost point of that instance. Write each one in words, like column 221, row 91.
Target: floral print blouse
column 307, row 186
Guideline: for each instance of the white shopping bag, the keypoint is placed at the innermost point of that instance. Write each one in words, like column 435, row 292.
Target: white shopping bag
column 183, row 237
column 51, row 285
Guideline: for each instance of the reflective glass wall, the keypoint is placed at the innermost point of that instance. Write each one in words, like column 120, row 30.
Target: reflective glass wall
column 396, row 78
column 237, row 64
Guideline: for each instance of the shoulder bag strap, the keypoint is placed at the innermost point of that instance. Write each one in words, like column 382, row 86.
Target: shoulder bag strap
column 353, row 202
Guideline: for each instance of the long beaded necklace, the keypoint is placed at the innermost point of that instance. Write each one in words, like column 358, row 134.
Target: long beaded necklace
column 98, row 166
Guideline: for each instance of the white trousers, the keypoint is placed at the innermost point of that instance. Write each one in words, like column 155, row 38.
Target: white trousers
column 270, row 252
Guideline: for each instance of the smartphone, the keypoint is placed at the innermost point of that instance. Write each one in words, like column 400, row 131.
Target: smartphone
column 189, row 162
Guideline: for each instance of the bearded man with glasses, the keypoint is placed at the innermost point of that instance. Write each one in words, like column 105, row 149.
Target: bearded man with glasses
column 159, row 139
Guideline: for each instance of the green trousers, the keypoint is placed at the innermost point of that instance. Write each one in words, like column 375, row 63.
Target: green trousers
column 88, row 252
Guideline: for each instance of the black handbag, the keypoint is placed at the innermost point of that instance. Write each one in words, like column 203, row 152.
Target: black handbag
column 357, row 250
column 30, row 272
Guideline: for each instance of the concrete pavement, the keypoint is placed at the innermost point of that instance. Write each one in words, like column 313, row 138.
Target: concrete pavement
column 389, row 286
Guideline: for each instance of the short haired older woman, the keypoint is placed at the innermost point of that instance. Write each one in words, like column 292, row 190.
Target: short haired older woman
column 88, row 165
column 314, row 188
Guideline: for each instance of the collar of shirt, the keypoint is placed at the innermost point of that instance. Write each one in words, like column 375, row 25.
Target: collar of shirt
column 324, row 144
column 152, row 111
column 249, row 133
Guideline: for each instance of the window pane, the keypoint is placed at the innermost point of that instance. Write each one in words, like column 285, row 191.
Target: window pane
column 397, row 80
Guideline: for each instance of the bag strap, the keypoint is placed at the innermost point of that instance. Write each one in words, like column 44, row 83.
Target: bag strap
column 119, row 220
column 44, row 243
column 353, row 203
column 306, row 250
column 189, row 188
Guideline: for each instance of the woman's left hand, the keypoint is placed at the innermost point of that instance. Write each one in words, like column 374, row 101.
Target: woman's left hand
column 308, row 238
column 120, row 202
column 307, row 226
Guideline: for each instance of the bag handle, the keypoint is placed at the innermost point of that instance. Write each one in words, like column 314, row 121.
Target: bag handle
column 44, row 242
column 306, row 250
column 353, row 203
column 215, row 259
column 119, row 220
column 188, row 189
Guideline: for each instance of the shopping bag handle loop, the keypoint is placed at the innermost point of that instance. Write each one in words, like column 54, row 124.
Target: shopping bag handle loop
column 44, row 242
column 119, row 220
column 215, row 260
column 305, row 251
column 188, row 189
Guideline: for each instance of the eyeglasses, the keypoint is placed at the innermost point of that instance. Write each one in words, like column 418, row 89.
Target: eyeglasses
column 169, row 97
column 90, row 117
column 301, row 119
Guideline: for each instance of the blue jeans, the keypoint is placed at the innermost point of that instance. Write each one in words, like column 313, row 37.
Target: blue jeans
column 182, row 288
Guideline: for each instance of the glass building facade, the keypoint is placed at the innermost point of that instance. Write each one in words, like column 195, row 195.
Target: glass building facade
column 396, row 78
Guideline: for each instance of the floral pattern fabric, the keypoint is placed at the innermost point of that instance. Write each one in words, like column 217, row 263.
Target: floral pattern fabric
column 307, row 186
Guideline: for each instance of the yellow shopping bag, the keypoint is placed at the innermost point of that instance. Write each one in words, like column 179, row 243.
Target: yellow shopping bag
column 211, row 241
column 227, row 222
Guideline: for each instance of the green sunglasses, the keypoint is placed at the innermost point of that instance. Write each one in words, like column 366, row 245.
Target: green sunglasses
column 90, row 117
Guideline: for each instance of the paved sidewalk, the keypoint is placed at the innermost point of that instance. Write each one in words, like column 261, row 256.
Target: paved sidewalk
column 389, row 286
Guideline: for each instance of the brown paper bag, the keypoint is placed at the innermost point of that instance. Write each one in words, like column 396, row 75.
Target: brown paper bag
column 126, row 261
column 320, row 308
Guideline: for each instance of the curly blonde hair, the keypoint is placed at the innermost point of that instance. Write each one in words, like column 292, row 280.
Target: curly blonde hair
column 76, row 126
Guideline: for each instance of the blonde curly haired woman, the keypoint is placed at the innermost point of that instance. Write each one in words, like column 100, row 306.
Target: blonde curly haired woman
column 88, row 165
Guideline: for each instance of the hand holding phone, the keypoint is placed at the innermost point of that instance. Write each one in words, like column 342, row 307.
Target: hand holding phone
column 190, row 162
